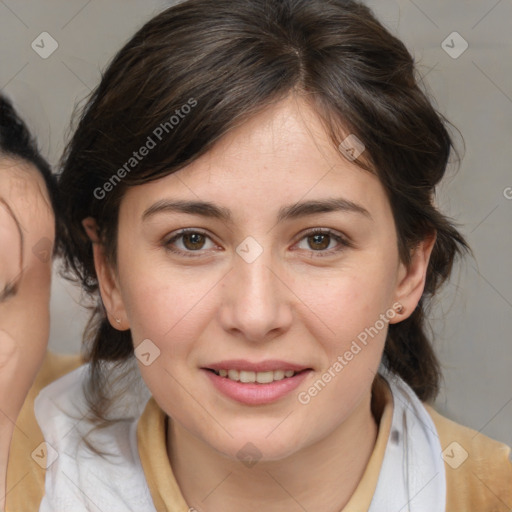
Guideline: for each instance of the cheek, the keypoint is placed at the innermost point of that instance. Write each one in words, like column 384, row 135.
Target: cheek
column 350, row 324
column 172, row 314
column 170, row 307
column 24, row 331
column 35, row 304
column 160, row 302
column 344, row 303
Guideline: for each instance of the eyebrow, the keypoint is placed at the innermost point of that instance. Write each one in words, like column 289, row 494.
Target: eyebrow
column 289, row 212
column 11, row 288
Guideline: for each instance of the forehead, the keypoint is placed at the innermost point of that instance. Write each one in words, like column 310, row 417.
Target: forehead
column 288, row 136
column 281, row 155
column 19, row 176
column 24, row 189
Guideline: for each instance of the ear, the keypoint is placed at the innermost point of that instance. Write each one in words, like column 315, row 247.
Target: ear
column 411, row 279
column 107, row 279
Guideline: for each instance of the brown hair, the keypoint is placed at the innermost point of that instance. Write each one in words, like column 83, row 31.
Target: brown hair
column 233, row 59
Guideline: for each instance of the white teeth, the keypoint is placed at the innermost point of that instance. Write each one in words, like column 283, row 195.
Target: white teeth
column 259, row 377
column 247, row 376
column 264, row 377
column 233, row 375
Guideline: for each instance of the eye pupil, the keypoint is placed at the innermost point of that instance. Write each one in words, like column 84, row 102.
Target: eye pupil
column 195, row 239
column 318, row 240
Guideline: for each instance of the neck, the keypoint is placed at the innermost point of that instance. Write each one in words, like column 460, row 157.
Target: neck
column 319, row 477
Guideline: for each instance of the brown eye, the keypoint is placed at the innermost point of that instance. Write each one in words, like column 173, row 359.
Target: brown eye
column 189, row 242
column 319, row 242
column 193, row 241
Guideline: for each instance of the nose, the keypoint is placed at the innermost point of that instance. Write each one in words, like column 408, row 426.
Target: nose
column 256, row 301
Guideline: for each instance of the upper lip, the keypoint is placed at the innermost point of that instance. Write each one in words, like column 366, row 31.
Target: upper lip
column 262, row 366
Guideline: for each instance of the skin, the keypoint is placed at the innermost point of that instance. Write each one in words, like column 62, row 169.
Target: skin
column 289, row 304
column 25, row 213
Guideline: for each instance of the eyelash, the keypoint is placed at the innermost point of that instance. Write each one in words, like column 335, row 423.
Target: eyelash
column 342, row 241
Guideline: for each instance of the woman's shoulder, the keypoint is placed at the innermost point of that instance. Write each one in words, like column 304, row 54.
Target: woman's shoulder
column 27, row 456
column 478, row 468
column 55, row 366
column 100, row 459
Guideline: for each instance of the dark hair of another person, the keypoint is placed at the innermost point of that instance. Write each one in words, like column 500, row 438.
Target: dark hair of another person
column 234, row 59
column 17, row 143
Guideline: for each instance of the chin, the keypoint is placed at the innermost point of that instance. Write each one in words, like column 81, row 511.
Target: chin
column 254, row 446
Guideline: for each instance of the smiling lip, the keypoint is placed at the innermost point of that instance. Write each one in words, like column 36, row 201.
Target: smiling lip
column 255, row 393
column 263, row 366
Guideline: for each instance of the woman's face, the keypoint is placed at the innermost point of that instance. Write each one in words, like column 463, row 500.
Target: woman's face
column 250, row 287
column 27, row 235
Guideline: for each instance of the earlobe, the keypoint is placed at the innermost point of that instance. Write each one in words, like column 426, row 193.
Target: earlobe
column 108, row 285
column 412, row 278
column 91, row 229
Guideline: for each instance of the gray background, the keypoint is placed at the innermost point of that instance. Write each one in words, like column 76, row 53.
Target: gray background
column 472, row 319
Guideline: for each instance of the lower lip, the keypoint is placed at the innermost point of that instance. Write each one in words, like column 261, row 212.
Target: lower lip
column 253, row 393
